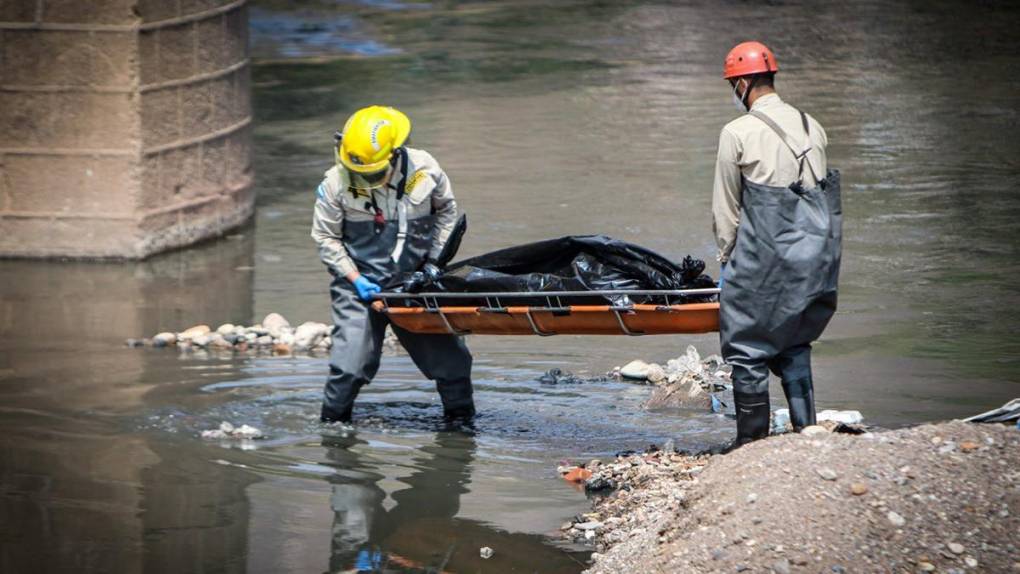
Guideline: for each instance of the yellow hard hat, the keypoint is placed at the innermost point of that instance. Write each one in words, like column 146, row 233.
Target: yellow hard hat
column 370, row 137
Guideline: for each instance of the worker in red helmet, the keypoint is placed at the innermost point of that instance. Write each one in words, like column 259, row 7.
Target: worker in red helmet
column 777, row 219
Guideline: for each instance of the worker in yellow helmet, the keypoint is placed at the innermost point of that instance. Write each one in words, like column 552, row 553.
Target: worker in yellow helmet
column 385, row 210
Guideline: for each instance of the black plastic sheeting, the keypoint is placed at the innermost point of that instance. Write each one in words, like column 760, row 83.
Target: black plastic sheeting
column 571, row 263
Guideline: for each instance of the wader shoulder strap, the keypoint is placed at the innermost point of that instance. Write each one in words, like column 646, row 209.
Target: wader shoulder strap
column 398, row 248
column 801, row 157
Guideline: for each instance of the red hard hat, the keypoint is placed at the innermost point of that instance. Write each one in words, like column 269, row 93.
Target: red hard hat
column 749, row 58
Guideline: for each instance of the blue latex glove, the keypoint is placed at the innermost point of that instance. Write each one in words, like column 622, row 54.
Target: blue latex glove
column 365, row 288
column 722, row 270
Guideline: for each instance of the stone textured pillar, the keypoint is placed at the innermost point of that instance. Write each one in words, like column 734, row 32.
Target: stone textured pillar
column 124, row 125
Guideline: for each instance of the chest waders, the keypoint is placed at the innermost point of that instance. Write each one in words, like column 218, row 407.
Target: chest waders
column 779, row 291
column 384, row 252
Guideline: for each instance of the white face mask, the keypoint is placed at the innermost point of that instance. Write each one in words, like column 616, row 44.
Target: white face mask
column 738, row 101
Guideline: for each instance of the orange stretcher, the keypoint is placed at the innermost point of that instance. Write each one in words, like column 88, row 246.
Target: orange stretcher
column 496, row 314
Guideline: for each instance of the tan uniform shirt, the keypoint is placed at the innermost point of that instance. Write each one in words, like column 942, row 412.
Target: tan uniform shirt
column 748, row 148
column 428, row 191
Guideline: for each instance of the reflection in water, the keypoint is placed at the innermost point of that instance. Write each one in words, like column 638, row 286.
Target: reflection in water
column 419, row 530
column 80, row 492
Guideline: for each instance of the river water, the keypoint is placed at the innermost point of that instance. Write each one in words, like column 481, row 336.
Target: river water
column 573, row 117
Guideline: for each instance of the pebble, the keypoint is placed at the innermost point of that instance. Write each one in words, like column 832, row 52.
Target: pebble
column 858, row 488
column 218, row 341
column 956, row 548
column 166, row 338
column 969, row 446
column 225, row 328
column 827, row 473
column 781, row 566
column 192, row 332
column 814, row 430
column 281, row 349
column 591, row 525
column 485, row 552
column 309, row 333
column 275, row 324
column 895, row 519
column 926, row 566
column 970, row 561
column 655, row 373
column 752, row 498
column 636, row 369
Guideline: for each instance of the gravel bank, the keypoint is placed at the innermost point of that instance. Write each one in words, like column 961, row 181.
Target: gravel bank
column 934, row 498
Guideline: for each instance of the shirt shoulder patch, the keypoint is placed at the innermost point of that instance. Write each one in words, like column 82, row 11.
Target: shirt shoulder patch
column 416, row 178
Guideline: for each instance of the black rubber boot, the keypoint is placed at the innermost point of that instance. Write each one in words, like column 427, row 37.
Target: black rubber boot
column 800, row 395
column 753, row 416
column 457, row 397
column 342, row 407
column 329, row 415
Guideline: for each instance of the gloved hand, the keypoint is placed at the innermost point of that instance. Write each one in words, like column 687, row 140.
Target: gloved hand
column 419, row 279
column 722, row 271
column 366, row 288
column 431, row 271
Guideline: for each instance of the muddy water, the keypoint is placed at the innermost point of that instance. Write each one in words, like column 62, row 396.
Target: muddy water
column 576, row 118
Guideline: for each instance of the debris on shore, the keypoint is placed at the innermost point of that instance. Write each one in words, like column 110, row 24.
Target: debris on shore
column 686, row 381
column 273, row 336
column 938, row 497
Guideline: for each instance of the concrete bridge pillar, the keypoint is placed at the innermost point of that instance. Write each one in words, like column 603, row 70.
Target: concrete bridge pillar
column 124, row 125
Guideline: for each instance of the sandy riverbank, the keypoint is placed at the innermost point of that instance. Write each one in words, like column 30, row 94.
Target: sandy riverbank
column 934, row 498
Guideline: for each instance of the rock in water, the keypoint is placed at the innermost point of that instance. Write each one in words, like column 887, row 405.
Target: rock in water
column 275, row 324
column 164, row 339
column 218, row 341
column 637, row 369
column 655, row 374
column 193, row 332
column 309, row 334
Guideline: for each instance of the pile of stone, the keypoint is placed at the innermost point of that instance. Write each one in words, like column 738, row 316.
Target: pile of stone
column 686, row 381
column 933, row 498
column 273, row 335
column 649, row 488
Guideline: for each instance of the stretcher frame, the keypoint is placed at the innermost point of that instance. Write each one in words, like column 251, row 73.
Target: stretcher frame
column 495, row 313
